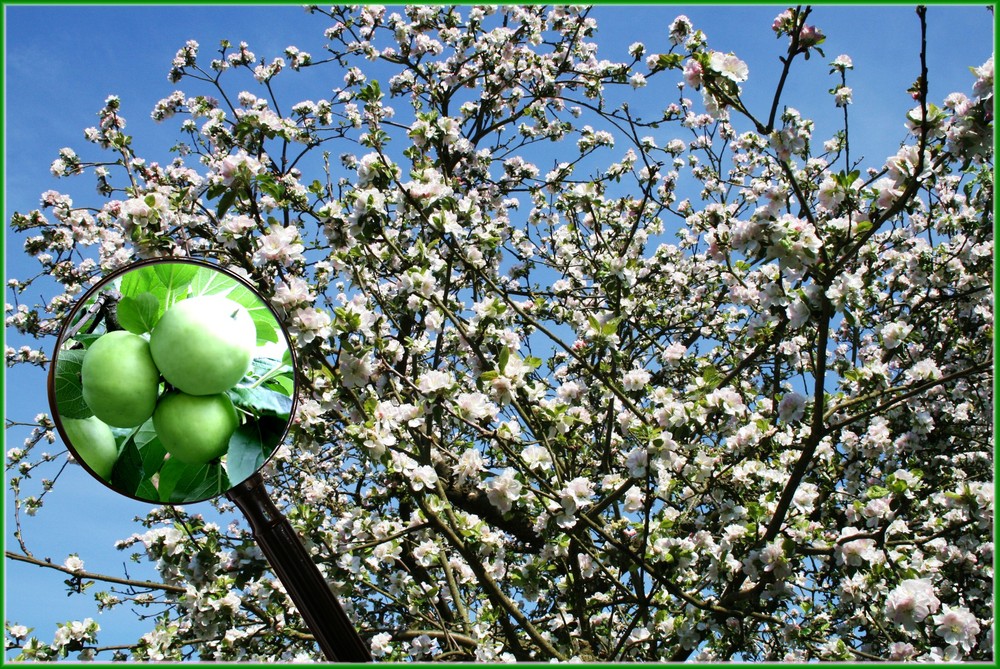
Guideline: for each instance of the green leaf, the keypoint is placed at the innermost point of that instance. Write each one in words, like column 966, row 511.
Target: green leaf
column 171, row 472
column 137, row 281
column 265, row 325
column 175, row 275
column 282, row 383
column 214, row 484
column 711, row 376
column 88, row 339
column 261, row 401
column 138, row 314
column 669, row 60
column 147, row 491
column 263, row 365
column 152, row 451
column 209, row 281
column 68, row 385
column 503, row 358
column 128, row 474
column 182, row 483
column 226, row 201
column 247, row 452
column 876, row 492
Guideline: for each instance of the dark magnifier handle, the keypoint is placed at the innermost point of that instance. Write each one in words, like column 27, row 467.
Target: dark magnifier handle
column 334, row 631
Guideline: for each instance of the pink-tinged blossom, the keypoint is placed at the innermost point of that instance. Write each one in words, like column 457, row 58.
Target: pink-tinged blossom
column 798, row 313
column 830, row 193
column 292, row 291
column 426, row 553
column 354, row 371
column 923, row 370
column 893, row 334
column 635, row 500
column 536, row 457
column 502, row 491
column 636, row 461
column 843, row 62
column 729, row 66
column 238, row 165
column 381, row 644
column 911, row 602
column 842, row 96
column 673, row 353
column 984, row 79
column 886, row 192
column 476, row 406
column 900, row 651
column 692, row 73
column 635, row 379
column 570, row 390
column 680, row 30
column 772, row 557
column 783, row 22
column 423, row 477
column 576, row 494
column 958, row 627
column 281, row 245
column 309, row 324
column 435, row 381
column 855, row 552
column 234, row 228
column 810, row 36
column 73, row 563
column 792, row 407
column 469, row 465
column 958, row 103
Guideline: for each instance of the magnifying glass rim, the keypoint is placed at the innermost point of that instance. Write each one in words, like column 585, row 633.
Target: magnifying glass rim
column 100, row 285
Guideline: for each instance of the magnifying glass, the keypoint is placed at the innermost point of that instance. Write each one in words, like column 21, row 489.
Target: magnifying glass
column 173, row 382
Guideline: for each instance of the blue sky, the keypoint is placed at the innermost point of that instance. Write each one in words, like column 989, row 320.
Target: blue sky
column 61, row 62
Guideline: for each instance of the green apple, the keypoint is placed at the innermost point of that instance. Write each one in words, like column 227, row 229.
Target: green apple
column 195, row 428
column 93, row 443
column 120, row 380
column 204, row 345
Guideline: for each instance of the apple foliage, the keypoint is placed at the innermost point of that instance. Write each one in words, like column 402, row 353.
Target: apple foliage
column 576, row 383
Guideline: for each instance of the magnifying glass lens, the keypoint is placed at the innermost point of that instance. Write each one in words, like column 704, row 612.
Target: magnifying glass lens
column 173, row 381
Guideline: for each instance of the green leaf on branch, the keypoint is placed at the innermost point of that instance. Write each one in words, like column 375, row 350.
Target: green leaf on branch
column 250, row 446
column 208, row 281
column 181, row 483
column 214, row 483
column 128, row 474
column 226, row 201
column 175, row 276
column 152, row 451
column 261, row 401
column 669, row 61
column 138, row 314
column 68, row 385
column 215, row 191
column 138, row 281
column 503, row 358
